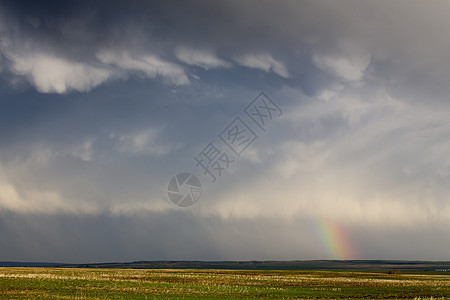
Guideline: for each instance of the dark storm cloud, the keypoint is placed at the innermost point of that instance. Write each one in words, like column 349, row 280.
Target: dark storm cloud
column 101, row 102
column 101, row 41
column 75, row 238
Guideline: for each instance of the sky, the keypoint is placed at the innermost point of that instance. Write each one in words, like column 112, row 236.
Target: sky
column 103, row 102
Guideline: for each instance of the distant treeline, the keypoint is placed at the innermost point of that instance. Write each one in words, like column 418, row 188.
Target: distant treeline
column 369, row 265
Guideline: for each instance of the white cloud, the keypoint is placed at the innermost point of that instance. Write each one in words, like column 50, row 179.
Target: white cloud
column 329, row 93
column 141, row 142
column 314, row 185
column 348, row 68
column 252, row 155
column 42, row 201
column 84, row 151
column 21, row 192
column 263, row 62
column 149, row 64
column 36, row 200
column 201, row 58
column 51, row 74
column 9, row 197
column 381, row 162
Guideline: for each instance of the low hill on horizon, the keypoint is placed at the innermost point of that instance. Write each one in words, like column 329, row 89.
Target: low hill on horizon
column 356, row 265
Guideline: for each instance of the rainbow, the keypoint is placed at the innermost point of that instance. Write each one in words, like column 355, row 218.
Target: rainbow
column 334, row 240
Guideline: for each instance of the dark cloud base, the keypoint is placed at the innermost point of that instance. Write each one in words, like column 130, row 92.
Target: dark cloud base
column 179, row 236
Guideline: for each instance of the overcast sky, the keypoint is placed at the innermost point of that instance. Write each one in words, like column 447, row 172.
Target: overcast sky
column 102, row 102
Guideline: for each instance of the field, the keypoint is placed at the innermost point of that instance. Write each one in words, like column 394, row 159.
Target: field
column 73, row 283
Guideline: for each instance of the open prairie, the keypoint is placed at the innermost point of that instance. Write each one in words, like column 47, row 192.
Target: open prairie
column 71, row 283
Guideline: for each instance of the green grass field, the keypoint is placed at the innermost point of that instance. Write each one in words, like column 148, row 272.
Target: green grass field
column 68, row 283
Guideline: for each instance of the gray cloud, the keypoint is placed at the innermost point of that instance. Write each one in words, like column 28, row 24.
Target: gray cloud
column 341, row 38
column 101, row 102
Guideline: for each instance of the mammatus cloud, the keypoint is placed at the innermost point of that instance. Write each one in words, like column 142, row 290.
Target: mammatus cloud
column 345, row 68
column 343, row 46
column 263, row 62
column 51, row 74
column 200, row 58
column 56, row 75
column 149, row 64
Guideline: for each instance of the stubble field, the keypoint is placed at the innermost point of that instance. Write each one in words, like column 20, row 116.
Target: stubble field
column 68, row 283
